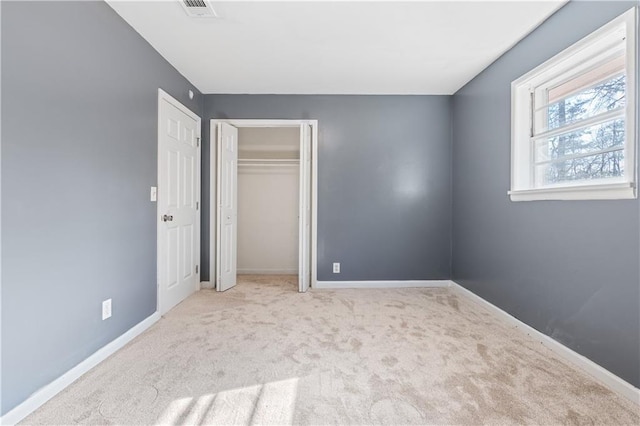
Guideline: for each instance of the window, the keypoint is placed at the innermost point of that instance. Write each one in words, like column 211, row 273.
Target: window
column 574, row 120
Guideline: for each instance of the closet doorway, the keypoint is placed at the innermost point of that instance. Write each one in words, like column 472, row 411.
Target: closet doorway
column 263, row 200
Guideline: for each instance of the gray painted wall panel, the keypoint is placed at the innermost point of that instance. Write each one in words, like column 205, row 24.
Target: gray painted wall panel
column 384, row 193
column 568, row 268
column 79, row 154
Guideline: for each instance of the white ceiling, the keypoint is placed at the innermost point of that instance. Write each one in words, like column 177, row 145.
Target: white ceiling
column 335, row 47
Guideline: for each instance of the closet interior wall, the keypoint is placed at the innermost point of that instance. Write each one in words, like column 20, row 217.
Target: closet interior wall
column 268, row 197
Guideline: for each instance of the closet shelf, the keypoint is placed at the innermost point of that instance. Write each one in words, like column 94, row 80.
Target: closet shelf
column 265, row 161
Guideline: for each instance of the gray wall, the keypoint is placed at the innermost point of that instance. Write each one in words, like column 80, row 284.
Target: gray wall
column 79, row 153
column 567, row 268
column 384, row 188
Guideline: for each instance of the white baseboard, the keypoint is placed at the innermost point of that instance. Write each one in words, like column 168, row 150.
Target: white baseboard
column 249, row 271
column 381, row 284
column 207, row 284
column 602, row 375
column 52, row 389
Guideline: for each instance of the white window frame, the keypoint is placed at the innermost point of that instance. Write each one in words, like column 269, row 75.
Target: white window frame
column 575, row 60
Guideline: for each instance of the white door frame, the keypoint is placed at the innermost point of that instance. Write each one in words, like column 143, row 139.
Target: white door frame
column 164, row 96
column 213, row 185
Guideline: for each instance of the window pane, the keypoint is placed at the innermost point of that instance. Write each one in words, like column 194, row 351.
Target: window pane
column 605, row 165
column 581, row 141
column 602, row 72
column 603, row 97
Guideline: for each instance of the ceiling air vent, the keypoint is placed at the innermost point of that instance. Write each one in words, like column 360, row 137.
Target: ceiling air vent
column 199, row 8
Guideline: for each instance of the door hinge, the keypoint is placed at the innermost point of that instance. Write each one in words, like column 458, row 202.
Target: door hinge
column 196, row 269
column 198, row 142
column 197, row 205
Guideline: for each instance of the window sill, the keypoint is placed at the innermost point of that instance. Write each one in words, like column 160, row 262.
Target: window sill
column 609, row 191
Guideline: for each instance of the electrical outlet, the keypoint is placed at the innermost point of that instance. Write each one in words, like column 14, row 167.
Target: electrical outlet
column 106, row 309
column 154, row 193
column 336, row 268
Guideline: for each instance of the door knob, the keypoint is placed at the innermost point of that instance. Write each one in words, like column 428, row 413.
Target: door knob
column 167, row 218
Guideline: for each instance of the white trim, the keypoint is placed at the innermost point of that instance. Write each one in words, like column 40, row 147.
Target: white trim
column 305, row 209
column 0, row 223
column 264, row 123
column 50, row 390
column 610, row 191
column 249, row 271
column 314, row 204
column 213, row 185
column 206, row 284
column 382, row 284
column 213, row 202
column 602, row 375
column 164, row 96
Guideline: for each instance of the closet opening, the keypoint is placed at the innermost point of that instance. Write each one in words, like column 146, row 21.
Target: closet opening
column 263, row 198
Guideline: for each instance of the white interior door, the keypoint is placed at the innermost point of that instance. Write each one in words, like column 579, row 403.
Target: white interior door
column 305, row 209
column 227, row 218
column 178, row 203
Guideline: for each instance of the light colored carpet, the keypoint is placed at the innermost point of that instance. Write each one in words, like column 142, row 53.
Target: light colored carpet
column 262, row 353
